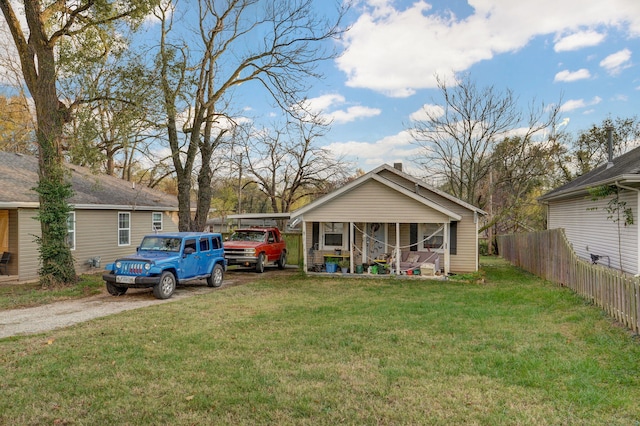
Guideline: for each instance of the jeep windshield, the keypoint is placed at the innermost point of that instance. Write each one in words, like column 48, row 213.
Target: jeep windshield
column 161, row 244
column 256, row 236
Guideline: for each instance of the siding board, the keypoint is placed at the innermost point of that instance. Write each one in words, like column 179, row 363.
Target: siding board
column 589, row 231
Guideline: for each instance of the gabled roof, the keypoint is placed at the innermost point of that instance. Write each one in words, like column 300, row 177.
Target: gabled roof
column 625, row 171
column 19, row 175
column 413, row 193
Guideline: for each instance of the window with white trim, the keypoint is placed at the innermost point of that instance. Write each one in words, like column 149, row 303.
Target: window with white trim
column 432, row 235
column 71, row 230
column 156, row 221
column 124, row 228
column 333, row 234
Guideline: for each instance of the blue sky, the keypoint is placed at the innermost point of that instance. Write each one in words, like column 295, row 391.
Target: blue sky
column 584, row 53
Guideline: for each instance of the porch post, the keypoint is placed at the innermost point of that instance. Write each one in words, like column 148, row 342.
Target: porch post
column 352, row 241
column 397, row 253
column 304, row 246
column 365, row 258
column 447, row 254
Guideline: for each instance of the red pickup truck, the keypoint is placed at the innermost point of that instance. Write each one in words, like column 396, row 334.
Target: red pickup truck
column 255, row 247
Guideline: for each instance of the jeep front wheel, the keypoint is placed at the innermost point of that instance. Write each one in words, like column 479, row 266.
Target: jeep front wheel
column 215, row 280
column 115, row 290
column 260, row 263
column 164, row 289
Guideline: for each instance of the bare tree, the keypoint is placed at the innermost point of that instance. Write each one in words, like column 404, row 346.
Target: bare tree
column 287, row 164
column 48, row 25
column 459, row 136
column 273, row 45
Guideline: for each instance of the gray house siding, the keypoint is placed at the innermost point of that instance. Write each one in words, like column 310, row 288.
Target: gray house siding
column 97, row 235
column 27, row 228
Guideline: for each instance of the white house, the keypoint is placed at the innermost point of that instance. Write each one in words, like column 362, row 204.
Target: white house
column 590, row 226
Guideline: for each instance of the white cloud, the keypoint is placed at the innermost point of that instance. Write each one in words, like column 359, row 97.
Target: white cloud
column 397, row 50
column 578, row 40
column 389, row 149
column 353, row 113
column 327, row 106
column 569, row 76
column 573, row 104
column 427, row 110
column 616, row 62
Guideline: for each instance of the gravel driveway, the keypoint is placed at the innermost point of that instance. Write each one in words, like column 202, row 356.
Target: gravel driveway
column 63, row 314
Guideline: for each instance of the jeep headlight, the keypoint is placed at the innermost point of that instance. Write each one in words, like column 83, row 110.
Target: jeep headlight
column 147, row 266
column 118, row 264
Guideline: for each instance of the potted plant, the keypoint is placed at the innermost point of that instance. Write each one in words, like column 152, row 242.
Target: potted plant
column 331, row 265
column 344, row 265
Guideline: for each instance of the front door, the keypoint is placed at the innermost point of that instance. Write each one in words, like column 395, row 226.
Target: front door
column 376, row 241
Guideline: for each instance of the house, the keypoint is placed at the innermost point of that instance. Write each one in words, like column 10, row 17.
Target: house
column 595, row 232
column 385, row 215
column 108, row 220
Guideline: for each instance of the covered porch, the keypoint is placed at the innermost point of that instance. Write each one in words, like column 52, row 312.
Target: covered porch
column 380, row 248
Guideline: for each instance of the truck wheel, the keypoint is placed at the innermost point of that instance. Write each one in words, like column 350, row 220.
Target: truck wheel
column 215, row 280
column 283, row 260
column 260, row 263
column 115, row 290
column 164, row 289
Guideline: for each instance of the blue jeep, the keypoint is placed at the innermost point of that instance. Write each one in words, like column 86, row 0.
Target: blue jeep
column 164, row 260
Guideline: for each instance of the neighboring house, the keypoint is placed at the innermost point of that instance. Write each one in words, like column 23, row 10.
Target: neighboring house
column 108, row 220
column 386, row 213
column 586, row 222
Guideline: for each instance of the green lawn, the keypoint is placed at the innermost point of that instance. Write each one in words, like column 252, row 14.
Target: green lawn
column 511, row 350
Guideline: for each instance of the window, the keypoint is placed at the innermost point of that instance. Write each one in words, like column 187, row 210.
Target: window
column 71, row 230
column 156, row 221
column 190, row 245
column 124, row 229
column 432, row 235
column 216, row 243
column 333, row 234
column 204, row 244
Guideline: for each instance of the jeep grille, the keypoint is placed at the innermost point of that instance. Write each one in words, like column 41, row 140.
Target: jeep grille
column 132, row 268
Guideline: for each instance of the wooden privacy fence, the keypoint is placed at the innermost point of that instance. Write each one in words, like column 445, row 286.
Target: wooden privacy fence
column 548, row 254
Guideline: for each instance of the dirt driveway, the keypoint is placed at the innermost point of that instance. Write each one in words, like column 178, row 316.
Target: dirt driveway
column 63, row 314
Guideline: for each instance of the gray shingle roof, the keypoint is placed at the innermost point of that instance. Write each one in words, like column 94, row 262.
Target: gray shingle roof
column 625, row 170
column 19, row 175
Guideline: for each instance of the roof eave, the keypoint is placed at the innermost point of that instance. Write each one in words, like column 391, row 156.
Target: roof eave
column 583, row 189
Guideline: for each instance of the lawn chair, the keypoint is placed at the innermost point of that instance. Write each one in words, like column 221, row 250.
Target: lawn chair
column 4, row 261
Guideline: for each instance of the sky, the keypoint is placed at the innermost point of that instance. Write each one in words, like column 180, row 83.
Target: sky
column 583, row 54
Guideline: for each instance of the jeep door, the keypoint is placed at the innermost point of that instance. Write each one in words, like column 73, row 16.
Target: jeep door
column 189, row 260
column 205, row 266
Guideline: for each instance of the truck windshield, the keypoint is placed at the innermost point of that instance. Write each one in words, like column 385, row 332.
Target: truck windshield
column 257, row 236
column 160, row 243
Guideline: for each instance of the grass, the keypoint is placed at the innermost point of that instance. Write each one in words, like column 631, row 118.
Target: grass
column 14, row 296
column 498, row 348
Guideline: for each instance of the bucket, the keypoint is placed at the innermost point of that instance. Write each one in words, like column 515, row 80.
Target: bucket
column 331, row 267
column 374, row 269
column 359, row 269
column 410, row 272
